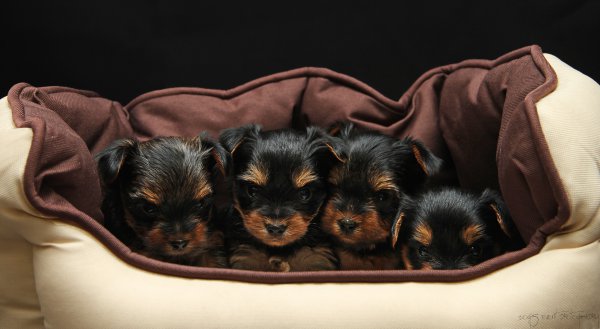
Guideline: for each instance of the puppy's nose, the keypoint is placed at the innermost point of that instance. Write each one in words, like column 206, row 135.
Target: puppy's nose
column 347, row 225
column 276, row 229
column 179, row 244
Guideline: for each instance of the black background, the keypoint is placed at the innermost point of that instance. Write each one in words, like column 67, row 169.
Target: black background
column 124, row 48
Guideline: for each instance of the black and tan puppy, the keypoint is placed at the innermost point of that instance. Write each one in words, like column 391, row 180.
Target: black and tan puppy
column 278, row 181
column 452, row 229
column 366, row 191
column 159, row 197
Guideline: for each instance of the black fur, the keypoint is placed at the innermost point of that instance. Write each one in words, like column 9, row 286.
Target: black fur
column 278, row 202
column 448, row 212
column 359, row 214
column 151, row 202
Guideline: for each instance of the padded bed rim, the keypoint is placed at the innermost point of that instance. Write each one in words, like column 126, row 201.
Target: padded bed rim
column 84, row 220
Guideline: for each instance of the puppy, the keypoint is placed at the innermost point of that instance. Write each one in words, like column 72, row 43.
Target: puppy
column 366, row 190
column 452, row 229
column 278, row 181
column 158, row 197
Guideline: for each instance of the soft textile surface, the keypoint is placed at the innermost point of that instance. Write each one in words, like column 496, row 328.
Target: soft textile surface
column 19, row 305
column 478, row 115
column 70, row 279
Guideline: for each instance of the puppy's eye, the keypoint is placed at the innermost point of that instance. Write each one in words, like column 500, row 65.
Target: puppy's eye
column 475, row 250
column 149, row 209
column 200, row 204
column 382, row 196
column 422, row 251
column 304, row 194
column 252, row 190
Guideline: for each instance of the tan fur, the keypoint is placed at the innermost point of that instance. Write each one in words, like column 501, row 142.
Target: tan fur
column 419, row 159
column 405, row 258
column 396, row 233
column 156, row 236
column 150, row 195
column 382, row 181
column 235, row 147
column 336, row 175
column 218, row 161
column 337, row 156
column 426, row 266
column 297, row 226
column 256, row 174
column 423, row 234
column 303, row 176
column 500, row 220
column 472, row 233
column 278, row 264
column 370, row 228
column 204, row 190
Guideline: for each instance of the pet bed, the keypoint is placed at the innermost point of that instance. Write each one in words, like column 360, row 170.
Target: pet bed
column 525, row 123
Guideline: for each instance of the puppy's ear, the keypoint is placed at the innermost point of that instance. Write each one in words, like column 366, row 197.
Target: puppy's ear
column 219, row 157
column 418, row 165
column 231, row 139
column 405, row 207
column 427, row 161
column 111, row 160
column 396, row 228
column 494, row 211
column 333, row 145
column 340, row 129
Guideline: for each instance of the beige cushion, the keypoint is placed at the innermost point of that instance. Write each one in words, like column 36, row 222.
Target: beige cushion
column 81, row 284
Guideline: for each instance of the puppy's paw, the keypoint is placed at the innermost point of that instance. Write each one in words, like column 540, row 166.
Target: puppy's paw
column 319, row 258
column 278, row 264
column 248, row 257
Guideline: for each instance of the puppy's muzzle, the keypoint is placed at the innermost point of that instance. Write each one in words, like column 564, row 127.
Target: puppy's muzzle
column 276, row 229
column 347, row 225
column 276, row 212
column 179, row 244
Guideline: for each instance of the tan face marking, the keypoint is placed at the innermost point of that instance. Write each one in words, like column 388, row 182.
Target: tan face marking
column 472, row 233
column 370, row 228
column 303, row 176
column 382, row 181
column 204, row 190
column 150, row 195
column 297, row 226
column 156, row 237
column 199, row 236
column 423, row 234
column 256, row 174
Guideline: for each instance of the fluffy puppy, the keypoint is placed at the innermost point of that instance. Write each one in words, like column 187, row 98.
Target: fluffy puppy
column 452, row 229
column 158, row 197
column 278, row 181
column 366, row 190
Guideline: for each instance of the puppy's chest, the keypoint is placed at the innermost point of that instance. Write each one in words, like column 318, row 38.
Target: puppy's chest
column 367, row 260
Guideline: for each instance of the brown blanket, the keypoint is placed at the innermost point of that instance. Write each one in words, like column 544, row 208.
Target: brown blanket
column 478, row 115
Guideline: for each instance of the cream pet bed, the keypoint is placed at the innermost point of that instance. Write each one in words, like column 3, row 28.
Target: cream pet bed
column 525, row 120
